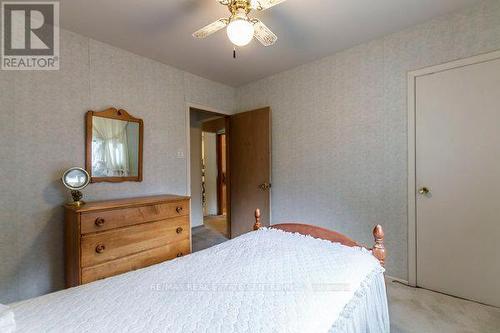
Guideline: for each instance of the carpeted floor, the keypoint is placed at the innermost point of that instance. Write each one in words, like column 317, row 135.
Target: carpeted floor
column 416, row 310
column 203, row 237
column 412, row 310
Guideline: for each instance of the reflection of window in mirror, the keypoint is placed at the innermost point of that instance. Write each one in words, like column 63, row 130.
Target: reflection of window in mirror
column 115, row 148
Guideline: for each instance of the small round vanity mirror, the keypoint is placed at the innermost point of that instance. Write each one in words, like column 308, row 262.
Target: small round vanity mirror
column 76, row 179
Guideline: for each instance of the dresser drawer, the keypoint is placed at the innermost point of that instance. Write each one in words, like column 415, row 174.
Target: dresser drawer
column 116, row 218
column 113, row 244
column 135, row 261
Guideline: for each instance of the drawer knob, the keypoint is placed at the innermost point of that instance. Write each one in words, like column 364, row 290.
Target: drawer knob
column 99, row 221
column 179, row 254
column 178, row 230
column 178, row 209
column 100, row 248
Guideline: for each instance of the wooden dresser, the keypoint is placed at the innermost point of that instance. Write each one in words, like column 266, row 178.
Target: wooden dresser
column 107, row 238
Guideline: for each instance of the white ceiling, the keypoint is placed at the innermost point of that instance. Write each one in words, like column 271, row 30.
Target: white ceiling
column 306, row 29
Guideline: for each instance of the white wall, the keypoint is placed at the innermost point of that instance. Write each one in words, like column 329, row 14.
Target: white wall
column 339, row 127
column 196, row 190
column 210, row 159
column 42, row 134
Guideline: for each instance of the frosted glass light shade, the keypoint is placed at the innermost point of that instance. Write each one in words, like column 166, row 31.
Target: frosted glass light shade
column 240, row 32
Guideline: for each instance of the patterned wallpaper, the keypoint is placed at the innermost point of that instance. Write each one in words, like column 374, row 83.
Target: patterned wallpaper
column 42, row 134
column 339, row 136
column 339, row 127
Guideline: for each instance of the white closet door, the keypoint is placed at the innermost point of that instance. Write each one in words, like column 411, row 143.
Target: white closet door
column 458, row 161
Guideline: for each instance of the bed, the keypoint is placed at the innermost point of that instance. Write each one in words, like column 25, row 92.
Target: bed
column 286, row 278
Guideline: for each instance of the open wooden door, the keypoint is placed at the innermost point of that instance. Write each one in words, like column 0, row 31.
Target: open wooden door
column 250, row 168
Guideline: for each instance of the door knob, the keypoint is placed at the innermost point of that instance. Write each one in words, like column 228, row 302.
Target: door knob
column 424, row 190
column 265, row 186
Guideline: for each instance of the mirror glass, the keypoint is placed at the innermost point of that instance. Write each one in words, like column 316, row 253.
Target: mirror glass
column 76, row 178
column 115, row 148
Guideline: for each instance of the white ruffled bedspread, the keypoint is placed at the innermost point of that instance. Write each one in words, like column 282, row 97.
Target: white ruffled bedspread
column 263, row 281
column 7, row 320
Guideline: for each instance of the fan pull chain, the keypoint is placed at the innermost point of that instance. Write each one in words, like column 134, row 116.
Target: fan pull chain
column 234, row 52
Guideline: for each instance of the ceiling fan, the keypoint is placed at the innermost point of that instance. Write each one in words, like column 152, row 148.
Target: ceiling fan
column 240, row 27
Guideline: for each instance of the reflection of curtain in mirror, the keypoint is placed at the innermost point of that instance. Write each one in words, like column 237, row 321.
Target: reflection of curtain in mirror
column 109, row 147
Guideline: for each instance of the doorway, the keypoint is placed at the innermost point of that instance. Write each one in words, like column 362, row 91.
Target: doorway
column 454, row 178
column 230, row 173
column 210, row 220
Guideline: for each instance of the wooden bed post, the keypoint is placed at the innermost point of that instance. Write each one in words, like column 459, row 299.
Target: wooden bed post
column 378, row 249
column 257, row 224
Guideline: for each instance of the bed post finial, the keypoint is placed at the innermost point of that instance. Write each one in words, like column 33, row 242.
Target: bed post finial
column 378, row 249
column 257, row 224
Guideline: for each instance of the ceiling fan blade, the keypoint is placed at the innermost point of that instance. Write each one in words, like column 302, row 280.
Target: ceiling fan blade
column 263, row 34
column 265, row 4
column 211, row 28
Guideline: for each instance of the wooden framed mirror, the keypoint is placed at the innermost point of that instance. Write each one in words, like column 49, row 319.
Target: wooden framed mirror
column 114, row 142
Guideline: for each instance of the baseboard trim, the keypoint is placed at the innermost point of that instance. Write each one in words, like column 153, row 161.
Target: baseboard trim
column 392, row 278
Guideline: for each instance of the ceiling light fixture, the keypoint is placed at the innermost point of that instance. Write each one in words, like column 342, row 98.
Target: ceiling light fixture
column 240, row 28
